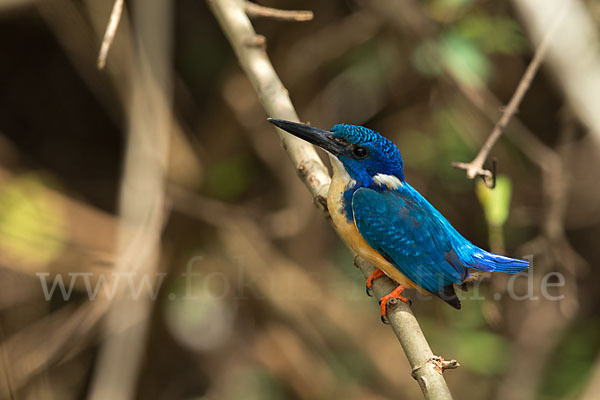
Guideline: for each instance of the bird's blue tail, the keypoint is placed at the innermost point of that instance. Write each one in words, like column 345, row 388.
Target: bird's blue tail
column 486, row 261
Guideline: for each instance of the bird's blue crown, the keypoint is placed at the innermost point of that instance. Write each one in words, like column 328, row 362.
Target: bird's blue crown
column 382, row 156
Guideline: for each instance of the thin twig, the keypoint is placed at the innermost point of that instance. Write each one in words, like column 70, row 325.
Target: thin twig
column 141, row 203
column 475, row 167
column 257, row 11
column 274, row 98
column 111, row 30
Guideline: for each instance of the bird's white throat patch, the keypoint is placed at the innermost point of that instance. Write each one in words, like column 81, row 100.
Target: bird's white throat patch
column 339, row 172
column 390, row 181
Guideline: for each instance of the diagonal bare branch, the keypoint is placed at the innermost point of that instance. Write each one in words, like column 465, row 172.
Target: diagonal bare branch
column 111, row 31
column 257, row 11
column 475, row 167
column 274, row 98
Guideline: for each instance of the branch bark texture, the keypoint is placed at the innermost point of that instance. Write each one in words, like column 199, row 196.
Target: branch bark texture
column 250, row 49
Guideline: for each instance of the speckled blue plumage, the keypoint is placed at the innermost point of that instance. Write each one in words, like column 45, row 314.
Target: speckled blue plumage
column 384, row 156
column 402, row 225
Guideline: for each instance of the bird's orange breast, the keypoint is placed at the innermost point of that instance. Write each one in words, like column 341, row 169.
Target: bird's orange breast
column 349, row 233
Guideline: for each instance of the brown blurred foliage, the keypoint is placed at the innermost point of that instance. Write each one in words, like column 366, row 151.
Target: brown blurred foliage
column 258, row 297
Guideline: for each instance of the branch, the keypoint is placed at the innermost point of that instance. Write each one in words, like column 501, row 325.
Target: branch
column 475, row 167
column 141, row 203
column 256, row 11
column 111, row 30
column 271, row 93
column 426, row 368
column 240, row 234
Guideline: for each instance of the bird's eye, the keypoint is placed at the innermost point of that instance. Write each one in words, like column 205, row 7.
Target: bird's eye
column 360, row 152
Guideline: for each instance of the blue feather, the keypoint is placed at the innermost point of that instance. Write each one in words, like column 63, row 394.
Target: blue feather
column 486, row 261
column 404, row 227
column 392, row 217
column 394, row 224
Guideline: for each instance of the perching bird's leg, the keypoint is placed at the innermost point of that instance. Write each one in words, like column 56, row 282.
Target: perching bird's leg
column 395, row 294
column 374, row 275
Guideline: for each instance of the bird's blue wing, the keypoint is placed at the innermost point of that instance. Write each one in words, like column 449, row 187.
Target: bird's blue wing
column 410, row 236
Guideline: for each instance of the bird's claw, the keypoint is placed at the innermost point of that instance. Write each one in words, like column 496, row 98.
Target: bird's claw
column 374, row 275
column 392, row 298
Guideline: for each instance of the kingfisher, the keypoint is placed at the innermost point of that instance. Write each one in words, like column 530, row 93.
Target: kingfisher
column 389, row 223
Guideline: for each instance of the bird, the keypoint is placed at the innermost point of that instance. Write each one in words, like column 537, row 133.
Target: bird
column 389, row 223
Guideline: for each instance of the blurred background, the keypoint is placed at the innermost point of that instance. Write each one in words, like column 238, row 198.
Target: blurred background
column 160, row 172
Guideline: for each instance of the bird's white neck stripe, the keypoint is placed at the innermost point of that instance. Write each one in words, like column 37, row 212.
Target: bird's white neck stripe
column 390, row 181
column 339, row 172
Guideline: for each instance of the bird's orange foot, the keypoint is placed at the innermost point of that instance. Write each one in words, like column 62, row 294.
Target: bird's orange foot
column 374, row 275
column 395, row 294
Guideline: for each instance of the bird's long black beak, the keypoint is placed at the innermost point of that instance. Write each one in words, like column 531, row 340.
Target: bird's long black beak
column 316, row 136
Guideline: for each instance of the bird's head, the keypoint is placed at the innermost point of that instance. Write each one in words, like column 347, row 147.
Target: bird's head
column 364, row 153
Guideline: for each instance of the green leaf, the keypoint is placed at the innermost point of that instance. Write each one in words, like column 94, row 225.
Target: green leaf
column 495, row 202
column 32, row 224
